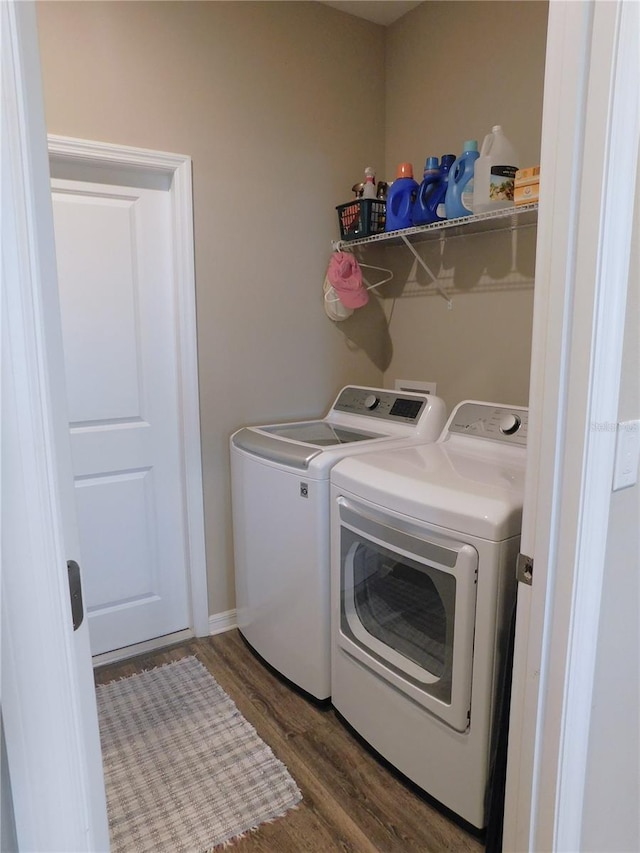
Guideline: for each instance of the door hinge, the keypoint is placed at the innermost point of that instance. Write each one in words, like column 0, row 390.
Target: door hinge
column 75, row 591
column 524, row 569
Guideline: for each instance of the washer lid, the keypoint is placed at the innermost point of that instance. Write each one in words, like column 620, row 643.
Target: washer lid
column 320, row 433
column 473, row 493
column 296, row 444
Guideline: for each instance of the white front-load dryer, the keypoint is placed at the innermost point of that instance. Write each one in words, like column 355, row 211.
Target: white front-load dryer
column 280, row 505
column 424, row 547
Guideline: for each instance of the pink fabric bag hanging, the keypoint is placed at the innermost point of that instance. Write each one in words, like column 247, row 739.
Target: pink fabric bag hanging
column 345, row 276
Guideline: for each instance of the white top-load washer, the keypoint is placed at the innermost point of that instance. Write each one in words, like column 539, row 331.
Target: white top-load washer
column 280, row 504
column 424, row 548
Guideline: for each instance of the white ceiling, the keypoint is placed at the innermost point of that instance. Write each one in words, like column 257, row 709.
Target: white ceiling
column 383, row 12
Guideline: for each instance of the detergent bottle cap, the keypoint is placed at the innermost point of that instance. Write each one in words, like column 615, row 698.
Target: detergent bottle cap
column 431, row 163
column 447, row 161
column 470, row 145
column 405, row 170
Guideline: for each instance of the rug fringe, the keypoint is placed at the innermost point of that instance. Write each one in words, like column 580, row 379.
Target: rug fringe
column 229, row 842
column 156, row 666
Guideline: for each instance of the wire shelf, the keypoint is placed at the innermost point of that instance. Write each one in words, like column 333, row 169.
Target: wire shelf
column 511, row 218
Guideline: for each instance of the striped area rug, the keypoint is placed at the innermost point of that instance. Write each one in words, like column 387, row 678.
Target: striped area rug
column 184, row 771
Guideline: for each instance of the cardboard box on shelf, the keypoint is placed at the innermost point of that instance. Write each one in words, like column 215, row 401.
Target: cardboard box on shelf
column 527, row 185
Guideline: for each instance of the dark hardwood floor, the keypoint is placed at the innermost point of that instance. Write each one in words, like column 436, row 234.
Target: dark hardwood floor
column 351, row 802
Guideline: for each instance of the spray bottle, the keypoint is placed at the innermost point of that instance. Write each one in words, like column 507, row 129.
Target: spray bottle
column 369, row 190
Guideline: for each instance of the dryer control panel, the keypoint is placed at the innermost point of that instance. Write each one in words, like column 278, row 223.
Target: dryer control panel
column 507, row 424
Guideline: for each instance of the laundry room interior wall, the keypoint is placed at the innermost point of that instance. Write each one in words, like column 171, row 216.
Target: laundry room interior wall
column 453, row 71
column 281, row 105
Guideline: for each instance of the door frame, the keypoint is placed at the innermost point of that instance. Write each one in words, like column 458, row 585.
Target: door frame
column 590, row 137
column 54, row 795
column 85, row 159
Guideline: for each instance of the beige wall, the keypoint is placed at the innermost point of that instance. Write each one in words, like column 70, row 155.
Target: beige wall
column 280, row 106
column 454, row 69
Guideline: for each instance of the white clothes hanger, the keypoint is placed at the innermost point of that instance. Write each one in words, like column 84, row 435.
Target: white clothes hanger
column 388, row 273
column 333, row 306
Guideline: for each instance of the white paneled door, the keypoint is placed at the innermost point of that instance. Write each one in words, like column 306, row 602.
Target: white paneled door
column 114, row 258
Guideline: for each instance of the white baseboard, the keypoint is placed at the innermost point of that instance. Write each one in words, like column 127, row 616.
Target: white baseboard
column 221, row 622
column 218, row 624
column 142, row 648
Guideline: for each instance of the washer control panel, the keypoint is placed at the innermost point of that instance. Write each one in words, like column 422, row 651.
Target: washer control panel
column 382, row 404
column 487, row 420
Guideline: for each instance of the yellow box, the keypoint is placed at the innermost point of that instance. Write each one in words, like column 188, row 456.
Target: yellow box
column 527, row 185
column 526, row 194
column 527, row 175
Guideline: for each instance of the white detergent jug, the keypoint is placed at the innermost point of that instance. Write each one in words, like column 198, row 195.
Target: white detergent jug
column 494, row 173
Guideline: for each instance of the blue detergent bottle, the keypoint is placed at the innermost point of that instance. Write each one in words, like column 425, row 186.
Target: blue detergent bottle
column 432, row 207
column 459, row 197
column 400, row 198
column 430, row 176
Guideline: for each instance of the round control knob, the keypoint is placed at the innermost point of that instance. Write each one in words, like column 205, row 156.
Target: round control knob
column 509, row 424
column 371, row 401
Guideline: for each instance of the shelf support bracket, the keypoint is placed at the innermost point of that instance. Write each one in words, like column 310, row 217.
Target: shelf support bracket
column 428, row 271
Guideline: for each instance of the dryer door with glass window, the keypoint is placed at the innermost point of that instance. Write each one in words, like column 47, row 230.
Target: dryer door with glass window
column 407, row 607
